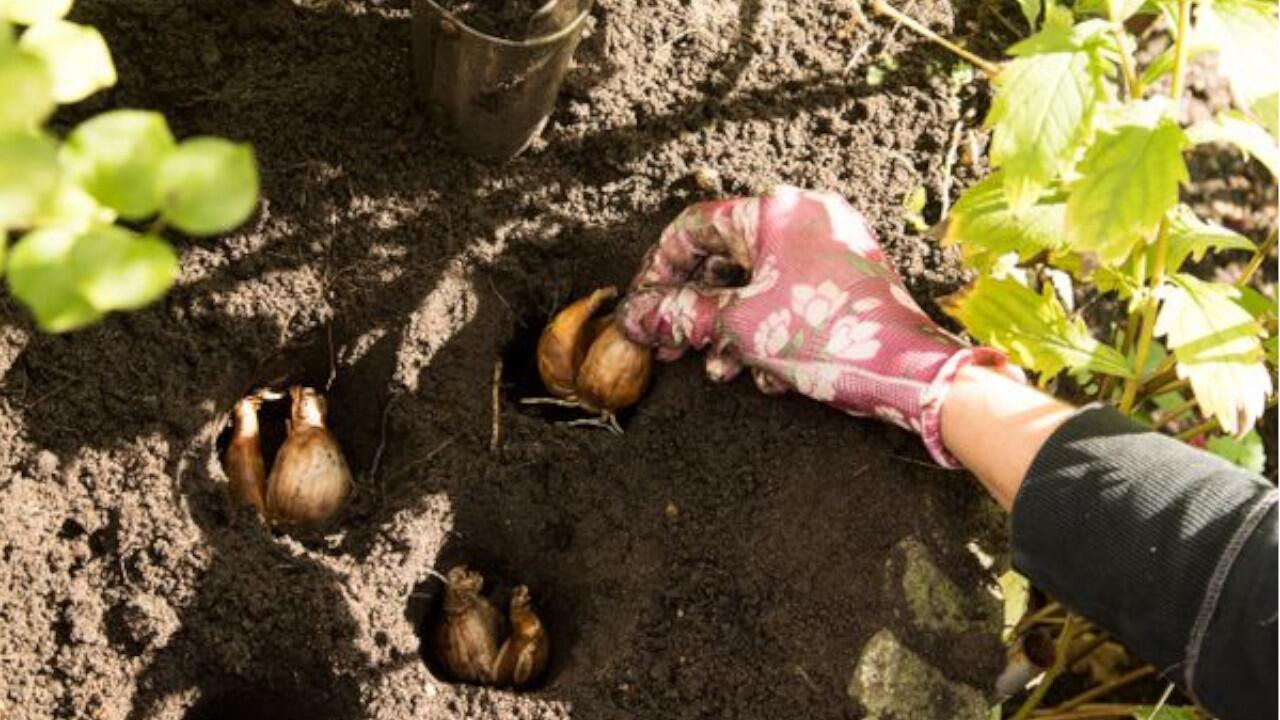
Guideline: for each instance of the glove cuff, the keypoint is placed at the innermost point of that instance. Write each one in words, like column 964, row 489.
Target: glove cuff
column 933, row 396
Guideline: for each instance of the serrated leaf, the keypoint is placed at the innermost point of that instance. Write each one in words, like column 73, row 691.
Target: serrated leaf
column 28, row 174
column 1247, row 452
column 1033, row 328
column 1189, row 236
column 1246, row 34
column 115, row 269
column 117, row 156
column 1233, row 128
column 39, row 275
column 985, row 228
column 1043, row 110
column 76, row 55
column 1128, row 180
column 1217, row 347
column 208, row 185
column 28, row 99
column 30, row 12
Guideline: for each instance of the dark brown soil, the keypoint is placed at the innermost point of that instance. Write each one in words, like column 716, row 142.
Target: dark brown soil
column 501, row 18
column 724, row 558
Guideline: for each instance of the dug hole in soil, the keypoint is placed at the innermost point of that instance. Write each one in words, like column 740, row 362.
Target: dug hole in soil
column 726, row 557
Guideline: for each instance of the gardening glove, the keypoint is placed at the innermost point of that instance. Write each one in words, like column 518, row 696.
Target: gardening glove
column 823, row 313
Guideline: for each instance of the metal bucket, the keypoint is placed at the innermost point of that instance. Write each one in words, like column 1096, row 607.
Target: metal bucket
column 491, row 95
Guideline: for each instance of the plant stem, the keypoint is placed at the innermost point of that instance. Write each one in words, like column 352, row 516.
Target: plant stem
column 1060, row 662
column 1177, row 412
column 1259, row 256
column 882, row 8
column 1148, row 317
column 1028, row 621
column 1182, row 47
column 1131, row 80
column 1103, row 689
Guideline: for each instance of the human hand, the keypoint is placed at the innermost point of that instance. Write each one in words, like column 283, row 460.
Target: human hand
column 823, row 313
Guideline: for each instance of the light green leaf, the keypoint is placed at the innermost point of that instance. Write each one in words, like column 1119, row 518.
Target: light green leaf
column 4, row 247
column 28, row 98
column 1267, row 110
column 1189, row 236
column 30, row 12
column 1043, row 110
column 76, row 55
column 1128, row 180
column 1233, row 128
column 209, row 186
column 1246, row 34
column 1216, row 344
column 69, row 206
column 1032, row 328
column 1247, row 452
column 1015, row 591
column 40, row 276
column 1031, row 11
column 985, row 227
column 28, row 174
column 117, row 156
column 117, row 270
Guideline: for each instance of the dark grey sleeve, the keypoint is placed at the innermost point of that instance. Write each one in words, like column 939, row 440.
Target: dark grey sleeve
column 1171, row 549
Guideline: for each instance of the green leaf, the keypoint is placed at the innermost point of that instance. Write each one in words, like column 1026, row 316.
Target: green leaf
column 39, row 275
column 117, row 270
column 1015, row 591
column 30, row 12
column 71, row 207
column 986, row 228
column 1233, row 128
column 1128, row 180
column 1267, row 110
column 209, row 186
column 1189, row 236
column 117, row 156
column 1043, row 111
column 28, row 98
column 1247, row 452
column 1032, row 328
column 1031, row 11
column 1246, row 34
column 76, row 55
column 1216, row 344
column 28, row 174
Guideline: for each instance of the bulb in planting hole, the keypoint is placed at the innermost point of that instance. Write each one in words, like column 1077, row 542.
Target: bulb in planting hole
column 465, row 638
column 564, row 343
column 243, row 459
column 310, row 480
column 523, row 658
column 615, row 372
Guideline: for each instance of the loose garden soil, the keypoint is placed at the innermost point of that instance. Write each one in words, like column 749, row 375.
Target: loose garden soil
column 726, row 557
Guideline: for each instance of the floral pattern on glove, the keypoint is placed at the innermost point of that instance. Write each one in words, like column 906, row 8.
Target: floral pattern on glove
column 823, row 314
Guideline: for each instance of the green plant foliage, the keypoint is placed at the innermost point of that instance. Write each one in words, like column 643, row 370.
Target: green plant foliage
column 77, row 57
column 1043, row 110
column 1128, row 180
column 1165, row 712
column 1218, row 348
column 116, row 157
column 1033, row 328
column 1233, row 128
column 1087, row 149
column 986, row 229
column 208, row 186
column 1247, row 452
column 69, row 264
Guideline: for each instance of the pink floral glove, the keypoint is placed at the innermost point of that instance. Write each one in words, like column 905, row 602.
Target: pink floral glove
column 823, row 314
